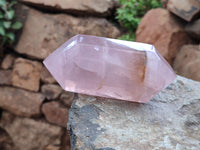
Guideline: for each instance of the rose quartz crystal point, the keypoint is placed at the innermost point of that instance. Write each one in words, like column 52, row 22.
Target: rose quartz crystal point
column 110, row 68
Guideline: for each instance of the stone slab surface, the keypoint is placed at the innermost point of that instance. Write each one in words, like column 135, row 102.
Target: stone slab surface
column 77, row 7
column 171, row 120
column 185, row 9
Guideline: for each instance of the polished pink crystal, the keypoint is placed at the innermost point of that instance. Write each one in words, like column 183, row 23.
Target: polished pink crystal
column 110, row 68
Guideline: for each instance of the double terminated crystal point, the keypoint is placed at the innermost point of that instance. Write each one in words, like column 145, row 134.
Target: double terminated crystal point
column 110, row 68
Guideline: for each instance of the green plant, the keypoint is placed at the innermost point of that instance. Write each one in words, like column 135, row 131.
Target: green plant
column 131, row 12
column 128, row 37
column 8, row 25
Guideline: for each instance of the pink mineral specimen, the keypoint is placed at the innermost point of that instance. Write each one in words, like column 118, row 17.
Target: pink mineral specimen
column 110, row 68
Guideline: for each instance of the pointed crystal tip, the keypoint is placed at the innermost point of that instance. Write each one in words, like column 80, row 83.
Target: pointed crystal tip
column 110, row 68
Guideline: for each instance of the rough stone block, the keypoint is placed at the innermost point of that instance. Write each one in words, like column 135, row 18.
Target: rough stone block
column 78, row 7
column 51, row 91
column 169, row 121
column 187, row 62
column 5, row 77
column 21, row 102
column 52, row 30
column 55, row 113
column 185, row 9
column 26, row 74
column 161, row 29
column 30, row 134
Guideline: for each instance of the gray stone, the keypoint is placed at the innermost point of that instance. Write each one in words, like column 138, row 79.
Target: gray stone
column 171, row 120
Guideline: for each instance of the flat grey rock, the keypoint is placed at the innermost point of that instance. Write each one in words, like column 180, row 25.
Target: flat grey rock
column 170, row 121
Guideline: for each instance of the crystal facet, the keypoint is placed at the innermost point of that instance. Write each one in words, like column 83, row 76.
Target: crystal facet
column 110, row 68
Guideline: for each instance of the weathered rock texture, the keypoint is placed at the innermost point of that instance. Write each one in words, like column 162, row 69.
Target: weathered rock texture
column 164, row 31
column 6, row 142
column 49, row 31
column 51, row 91
column 186, row 9
column 7, row 62
column 79, row 7
column 187, row 62
column 46, row 77
column 26, row 74
column 29, row 134
column 66, row 98
column 5, row 77
column 20, row 102
column 55, row 113
column 171, row 120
